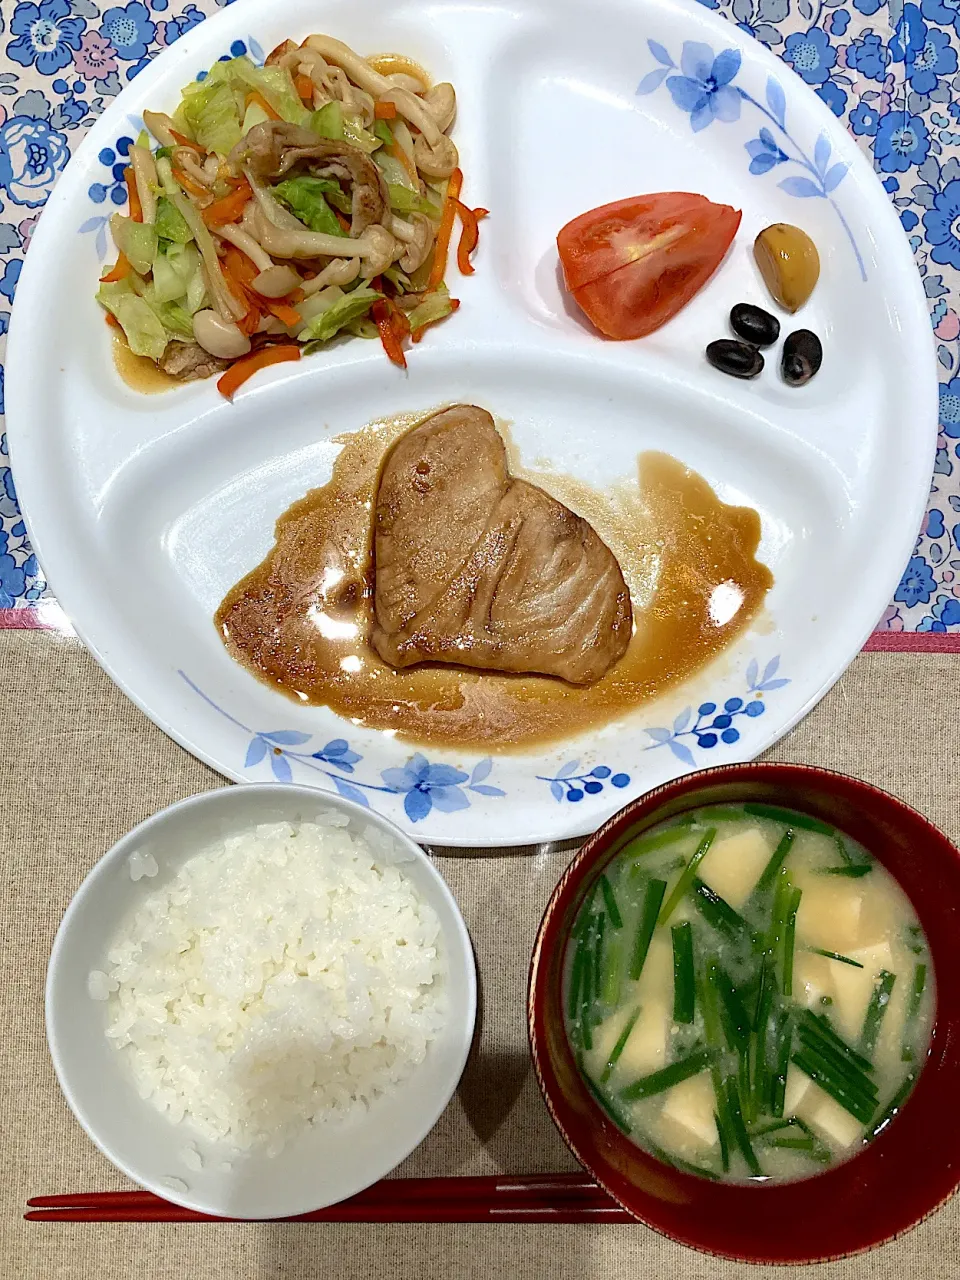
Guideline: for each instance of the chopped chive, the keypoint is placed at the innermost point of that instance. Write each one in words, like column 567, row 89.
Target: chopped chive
column 652, row 898
column 619, row 1046
column 875, row 1011
column 914, row 939
column 608, row 1104
column 789, row 940
column 599, row 930
column 793, row 1144
column 777, row 860
column 717, row 913
column 818, row 1025
column 835, row 1061
column 834, row 955
column 667, row 1077
column 612, row 966
column 917, row 990
column 724, row 1148
column 675, row 1162
column 573, row 992
column 738, row 1020
column 739, row 1129
column 761, row 1017
column 720, row 814
column 892, row 1107
column 610, row 902
column 586, row 985
column 684, row 995
column 640, row 846
column 859, row 1105
column 861, row 869
column 788, row 818
column 687, row 875
column 774, row 1127
column 822, row 1152
column 778, row 1082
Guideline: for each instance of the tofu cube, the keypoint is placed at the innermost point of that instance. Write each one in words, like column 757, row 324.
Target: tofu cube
column 798, row 1086
column 829, row 1118
column 657, row 976
column 646, row 1047
column 688, row 1113
column 812, row 979
column 734, row 864
column 605, row 1036
column 853, row 988
column 829, row 914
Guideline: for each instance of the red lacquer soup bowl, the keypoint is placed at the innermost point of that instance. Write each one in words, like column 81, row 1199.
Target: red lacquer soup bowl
column 909, row 1169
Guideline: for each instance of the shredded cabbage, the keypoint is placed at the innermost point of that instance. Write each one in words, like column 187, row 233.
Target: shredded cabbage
column 353, row 131
column 383, row 132
column 137, row 241
column 346, row 309
column 254, row 114
column 328, row 121
column 435, row 306
column 275, row 84
column 395, row 173
column 405, row 200
column 143, row 329
column 210, row 109
column 304, row 197
column 170, row 223
column 173, row 271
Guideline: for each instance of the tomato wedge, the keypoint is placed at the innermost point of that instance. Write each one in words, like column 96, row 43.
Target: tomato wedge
column 633, row 264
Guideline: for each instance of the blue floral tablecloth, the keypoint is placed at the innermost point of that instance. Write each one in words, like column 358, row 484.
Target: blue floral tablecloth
column 889, row 70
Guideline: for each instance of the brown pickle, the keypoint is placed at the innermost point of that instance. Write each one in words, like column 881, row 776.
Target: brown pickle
column 789, row 263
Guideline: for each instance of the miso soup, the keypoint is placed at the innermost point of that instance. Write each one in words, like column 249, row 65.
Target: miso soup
column 748, row 993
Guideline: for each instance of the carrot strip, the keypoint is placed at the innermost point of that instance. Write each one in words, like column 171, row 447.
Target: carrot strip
column 112, row 321
column 289, row 315
column 469, row 237
column 256, row 96
column 421, row 329
column 388, row 334
column 183, row 141
column 343, row 220
column 230, row 382
column 304, row 87
column 398, row 153
column 188, row 184
column 384, row 111
column 439, row 268
column 119, row 271
column 133, row 195
column 228, row 209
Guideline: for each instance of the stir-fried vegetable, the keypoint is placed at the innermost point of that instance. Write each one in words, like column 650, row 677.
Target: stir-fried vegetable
column 281, row 205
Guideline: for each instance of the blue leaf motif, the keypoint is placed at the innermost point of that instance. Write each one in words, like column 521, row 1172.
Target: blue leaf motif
column 443, row 775
column 660, row 53
column 769, row 685
column 483, row 790
column 91, row 224
column 570, row 767
column 776, row 100
column 821, row 153
column 682, row 720
column 416, row 805
column 281, row 768
column 101, row 242
column 255, row 752
column 652, row 81
column 767, row 138
column 763, row 163
column 256, row 49
column 350, row 792
column 287, row 737
column 771, row 669
column 802, row 187
column 448, row 799
column 481, row 770
column 556, row 791
column 944, row 356
column 336, row 747
column 753, row 671
column 681, row 751
column 659, row 735
column 835, row 175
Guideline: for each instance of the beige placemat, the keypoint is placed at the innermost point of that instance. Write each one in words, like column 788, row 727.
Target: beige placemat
column 80, row 765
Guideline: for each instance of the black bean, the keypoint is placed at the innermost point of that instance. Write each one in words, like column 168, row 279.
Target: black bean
column 755, row 325
column 802, row 357
column 739, row 359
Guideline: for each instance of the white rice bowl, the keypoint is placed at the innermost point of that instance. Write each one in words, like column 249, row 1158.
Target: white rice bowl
column 286, row 976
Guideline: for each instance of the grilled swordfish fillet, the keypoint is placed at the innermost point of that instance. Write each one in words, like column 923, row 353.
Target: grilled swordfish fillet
column 476, row 568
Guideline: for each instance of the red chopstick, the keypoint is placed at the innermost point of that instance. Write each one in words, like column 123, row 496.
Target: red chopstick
column 561, row 1197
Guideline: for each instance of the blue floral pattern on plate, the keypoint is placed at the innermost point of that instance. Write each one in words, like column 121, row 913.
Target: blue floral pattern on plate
column 888, row 70
column 425, row 787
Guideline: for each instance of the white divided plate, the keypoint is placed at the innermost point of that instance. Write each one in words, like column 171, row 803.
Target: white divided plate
column 144, row 510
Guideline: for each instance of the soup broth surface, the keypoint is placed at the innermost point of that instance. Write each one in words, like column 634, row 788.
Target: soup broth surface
column 748, row 993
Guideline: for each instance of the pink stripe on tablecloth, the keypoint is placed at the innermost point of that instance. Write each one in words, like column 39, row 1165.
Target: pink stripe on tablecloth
column 51, row 619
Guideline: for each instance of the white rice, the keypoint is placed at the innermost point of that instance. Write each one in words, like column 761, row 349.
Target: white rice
column 285, row 977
